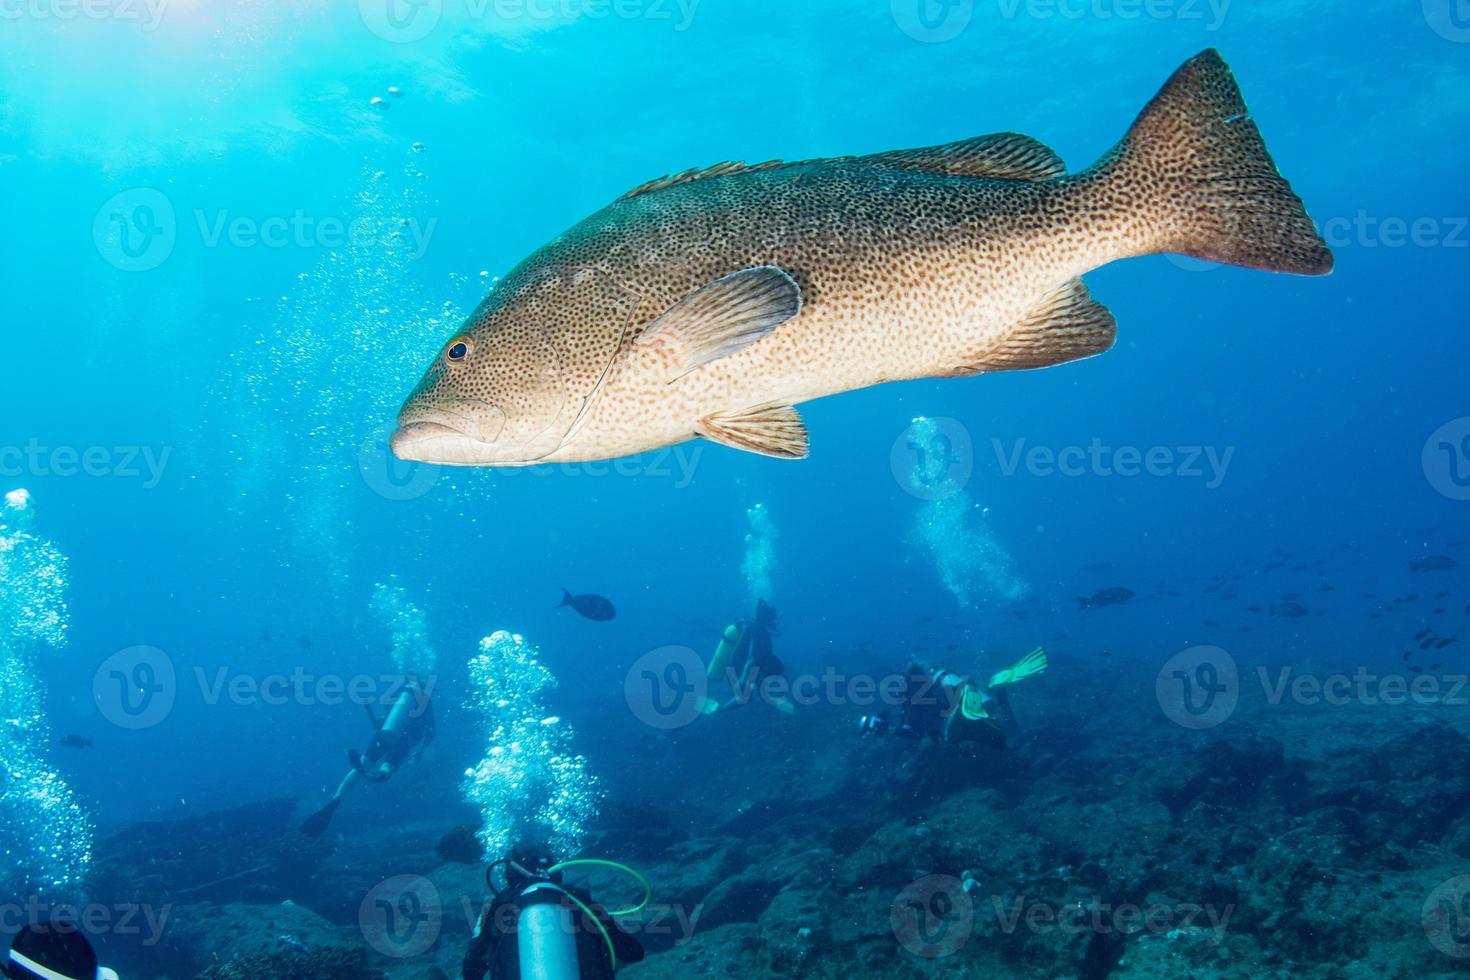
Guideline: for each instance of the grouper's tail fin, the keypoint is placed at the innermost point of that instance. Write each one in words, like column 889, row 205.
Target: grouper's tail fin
column 1211, row 188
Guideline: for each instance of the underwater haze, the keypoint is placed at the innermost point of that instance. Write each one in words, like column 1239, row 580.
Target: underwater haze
column 238, row 234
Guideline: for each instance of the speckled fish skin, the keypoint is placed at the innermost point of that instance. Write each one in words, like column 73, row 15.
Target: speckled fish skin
column 947, row 261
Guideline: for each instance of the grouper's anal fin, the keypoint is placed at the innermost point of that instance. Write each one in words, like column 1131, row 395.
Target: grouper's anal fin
column 1066, row 326
column 999, row 156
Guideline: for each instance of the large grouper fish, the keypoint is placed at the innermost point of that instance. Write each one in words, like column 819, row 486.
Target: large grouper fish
column 710, row 303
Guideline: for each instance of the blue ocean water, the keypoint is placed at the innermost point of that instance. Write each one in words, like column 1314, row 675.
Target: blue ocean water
column 238, row 232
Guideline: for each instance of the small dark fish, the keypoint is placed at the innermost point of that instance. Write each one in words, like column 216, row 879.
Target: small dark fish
column 1422, row 634
column 1288, row 609
column 594, row 607
column 1105, row 597
column 1416, row 669
column 1427, row 644
column 305, row 642
column 1210, row 623
column 1445, row 642
column 1253, row 608
column 461, row 845
column 1292, row 596
column 1441, row 595
column 1434, row 563
column 76, row 742
column 1436, row 667
column 1407, row 655
column 1438, row 610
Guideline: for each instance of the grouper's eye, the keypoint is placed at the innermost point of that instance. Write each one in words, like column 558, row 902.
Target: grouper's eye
column 459, row 349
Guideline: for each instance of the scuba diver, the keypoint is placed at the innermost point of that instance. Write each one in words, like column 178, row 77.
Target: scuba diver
column 539, row 928
column 400, row 736
column 744, row 657
column 54, row 950
column 949, row 708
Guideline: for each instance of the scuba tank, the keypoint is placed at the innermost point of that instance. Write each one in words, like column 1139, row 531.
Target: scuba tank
column 546, row 934
column 398, row 714
column 729, row 640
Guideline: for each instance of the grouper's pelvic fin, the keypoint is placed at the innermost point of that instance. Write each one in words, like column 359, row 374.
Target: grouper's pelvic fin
column 769, row 430
column 1206, row 186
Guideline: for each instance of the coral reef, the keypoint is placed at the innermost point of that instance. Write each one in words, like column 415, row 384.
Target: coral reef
column 1109, row 844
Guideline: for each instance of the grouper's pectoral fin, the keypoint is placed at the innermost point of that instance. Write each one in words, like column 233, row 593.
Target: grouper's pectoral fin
column 721, row 318
column 770, row 430
column 1066, row 326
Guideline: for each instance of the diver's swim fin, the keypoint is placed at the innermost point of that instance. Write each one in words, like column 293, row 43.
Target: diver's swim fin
column 316, row 824
column 1028, row 666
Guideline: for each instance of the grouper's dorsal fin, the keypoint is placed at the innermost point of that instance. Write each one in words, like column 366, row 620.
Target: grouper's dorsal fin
column 699, row 173
column 999, row 156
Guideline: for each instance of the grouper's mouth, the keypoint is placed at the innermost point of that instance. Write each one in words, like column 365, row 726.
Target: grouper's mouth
column 461, row 434
column 432, row 442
